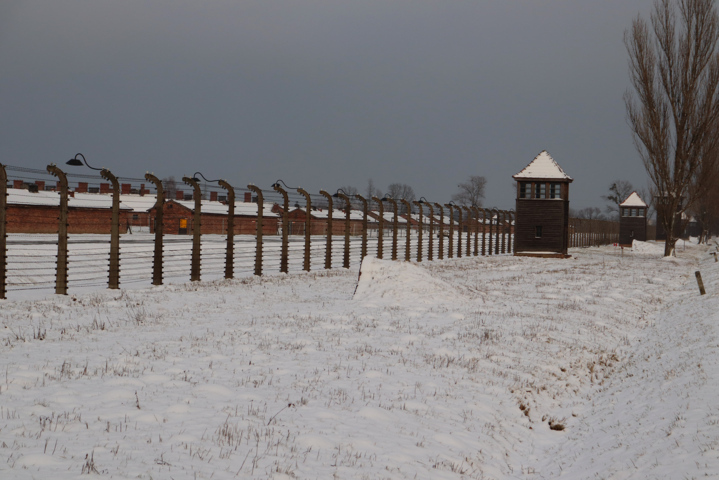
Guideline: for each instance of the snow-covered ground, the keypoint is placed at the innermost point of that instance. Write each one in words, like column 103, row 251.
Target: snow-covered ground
column 603, row 365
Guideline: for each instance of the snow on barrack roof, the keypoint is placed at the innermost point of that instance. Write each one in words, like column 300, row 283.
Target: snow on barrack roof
column 19, row 196
column 543, row 166
column 633, row 200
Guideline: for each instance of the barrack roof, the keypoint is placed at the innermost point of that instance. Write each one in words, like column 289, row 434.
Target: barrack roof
column 543, row 166
column 633, row 200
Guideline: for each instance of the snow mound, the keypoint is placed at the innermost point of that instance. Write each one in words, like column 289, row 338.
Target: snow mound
column 651, row 248
column 386, row 282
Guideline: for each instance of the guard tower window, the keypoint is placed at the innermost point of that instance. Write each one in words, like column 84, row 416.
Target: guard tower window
column 524, row 189
column 538, row 231
column 540, row 190
column 555, row 190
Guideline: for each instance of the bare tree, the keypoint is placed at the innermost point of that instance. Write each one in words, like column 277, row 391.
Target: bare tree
column 619, row 190
column 589, row 213
column 673, row 111
column 169, row 185
column 399, row 191
column 372, row 190
column 471, row 192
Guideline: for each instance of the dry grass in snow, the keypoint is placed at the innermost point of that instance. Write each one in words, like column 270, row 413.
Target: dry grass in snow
column 599, row 366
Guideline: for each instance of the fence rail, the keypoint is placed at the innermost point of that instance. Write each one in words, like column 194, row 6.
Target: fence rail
column 76, row 235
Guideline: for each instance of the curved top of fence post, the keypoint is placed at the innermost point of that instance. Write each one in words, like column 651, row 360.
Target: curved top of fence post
column 107, row 175
column 362, row 199
column 160, row 197
column 230, row 190
column 345, row 198
column 329, row 199
column 53, row 169
column 304, row 192
column 194, row 184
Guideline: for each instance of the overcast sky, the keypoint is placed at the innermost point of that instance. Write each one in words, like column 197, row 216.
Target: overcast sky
column 323, row 93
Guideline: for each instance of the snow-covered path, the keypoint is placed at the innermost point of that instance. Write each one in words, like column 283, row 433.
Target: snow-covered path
column 600, row 366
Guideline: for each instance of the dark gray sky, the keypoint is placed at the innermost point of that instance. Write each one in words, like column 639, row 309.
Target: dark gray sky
column 322, row 93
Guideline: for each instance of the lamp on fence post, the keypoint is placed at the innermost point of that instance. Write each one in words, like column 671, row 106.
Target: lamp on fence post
column 284, row 257
column 419, row 233
column 114, row 275
column 450, row 205
column 196, row 228
column 387, row 198
column 380, row 232
column 159, row 210
column 3, row 232
column 423, row 201
column 308, row 224
column 409, row 229
column 260, row 225
column 469, row 230
column 61, row 275
column 441, row 233
column 341, row 194
column 364, row 225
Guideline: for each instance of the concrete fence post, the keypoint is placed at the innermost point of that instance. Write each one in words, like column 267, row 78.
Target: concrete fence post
column 419, row 233
column 308, row 226
column 431, row 230
column 348, row 206
column 450, row 252
column 395, row 223
column 284, row 254
column 467, row 222
column 3, row 232
column 380, row 232
column 196, row 229
column 460, row 230
column 114, row 275
column 328, row 247
column 510, row 244
column 490, row 250
column 230, row 250
column 364, row 225
column 495, row 213
column 475, row 210
column 504, row 232
column 441, row 232
column 408, row 206
column 260, row 228
column 484, row 231
column 61, row 273
column 159, row 210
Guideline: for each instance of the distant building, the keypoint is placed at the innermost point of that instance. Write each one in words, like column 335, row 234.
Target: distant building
column 632, row 220
column 542, row 210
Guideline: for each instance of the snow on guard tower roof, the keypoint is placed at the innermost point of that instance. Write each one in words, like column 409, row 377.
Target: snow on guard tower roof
column 543, row 166
column 633, row 200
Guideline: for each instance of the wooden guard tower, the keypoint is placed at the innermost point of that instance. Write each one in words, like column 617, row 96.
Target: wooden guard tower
column 542, row 213
column 632, row 220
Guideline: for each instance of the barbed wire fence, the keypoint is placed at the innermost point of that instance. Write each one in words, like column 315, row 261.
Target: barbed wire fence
column 70, row 230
